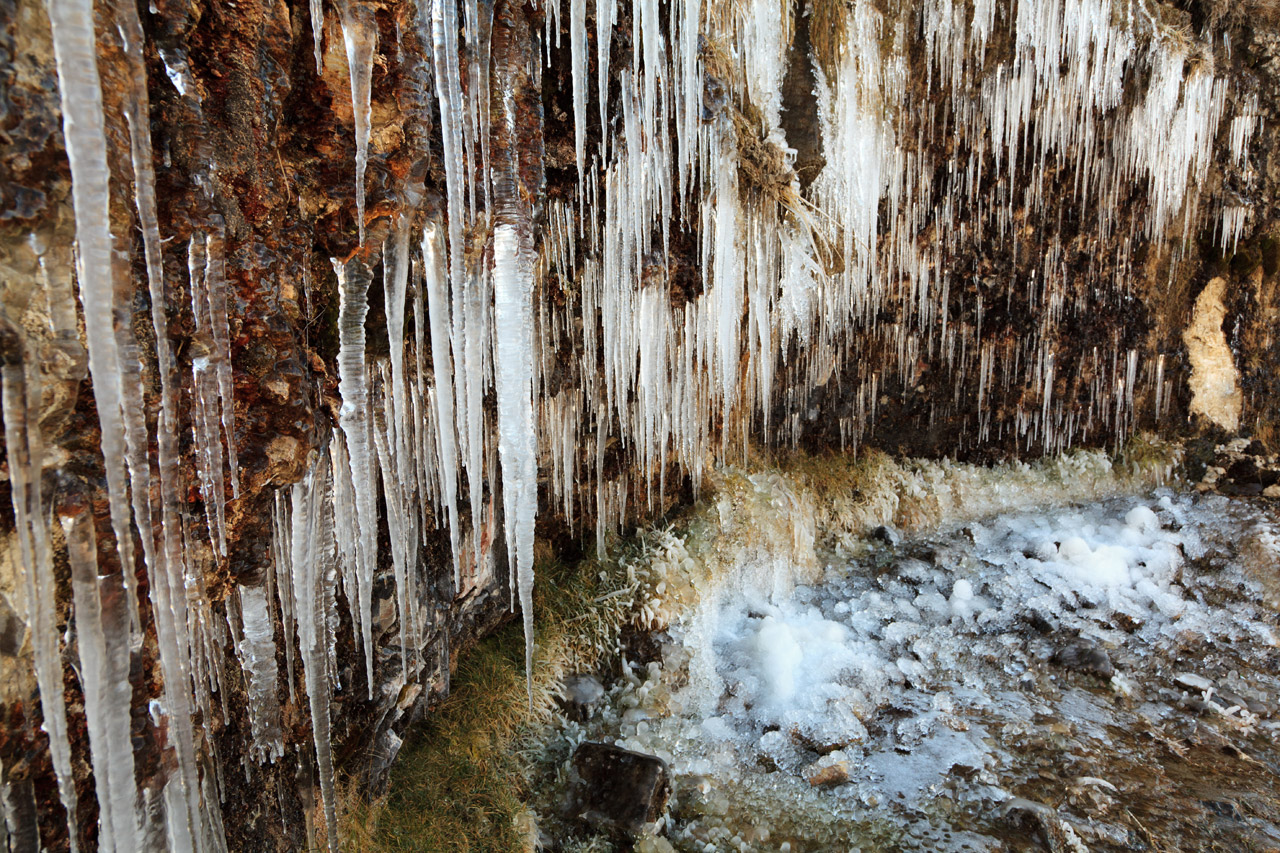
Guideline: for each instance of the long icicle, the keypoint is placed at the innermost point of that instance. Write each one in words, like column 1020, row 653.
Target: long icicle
column 353, row 385
column 84, row 132
column 311, row 560
column 102, row 620
column 437, row 287
column 513, row 259
column 25, row 451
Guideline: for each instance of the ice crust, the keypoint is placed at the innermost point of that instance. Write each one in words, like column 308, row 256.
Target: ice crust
column 898, row 660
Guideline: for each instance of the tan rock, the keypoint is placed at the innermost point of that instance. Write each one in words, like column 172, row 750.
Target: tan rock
column 830, row 775
column 1215, row 380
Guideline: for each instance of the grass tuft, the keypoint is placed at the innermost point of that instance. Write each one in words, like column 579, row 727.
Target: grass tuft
column 461, row 780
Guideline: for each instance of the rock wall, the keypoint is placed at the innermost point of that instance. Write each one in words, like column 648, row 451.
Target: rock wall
column 947, row 229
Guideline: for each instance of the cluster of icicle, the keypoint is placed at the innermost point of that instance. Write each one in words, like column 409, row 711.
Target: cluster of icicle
column 678, row 384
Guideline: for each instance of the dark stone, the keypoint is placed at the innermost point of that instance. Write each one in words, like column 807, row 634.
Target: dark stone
column 1039, row 622
column 887, row 535
column 619, row 789
column 1223, row 809
column 1243, row 470
column 1083, row 655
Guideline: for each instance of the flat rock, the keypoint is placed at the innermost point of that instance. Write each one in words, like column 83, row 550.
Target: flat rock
column 619, row 789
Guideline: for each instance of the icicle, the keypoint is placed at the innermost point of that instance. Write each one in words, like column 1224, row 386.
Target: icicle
column 166, row 569
column 206, row 395
column 317, row 33
column 360, row 33
column 578, row 47
column 137, row 113
column 513, row 377
column 25, row 451
column 513, row 259
column 311, row 560
column 280, row 550
column 399, row 512
column 463, row 337
column 437, row 288
column 219, row 329
column 74, row 49
column 605, row 12
column 258, row 656
column 353, row 384
column 346, row 530
column 102, row 620
column 398, row 479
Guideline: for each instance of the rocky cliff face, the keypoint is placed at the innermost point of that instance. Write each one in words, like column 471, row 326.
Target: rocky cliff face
column 308, row 309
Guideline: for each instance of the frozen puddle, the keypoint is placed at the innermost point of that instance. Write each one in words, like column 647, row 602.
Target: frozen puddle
column 1098, row 676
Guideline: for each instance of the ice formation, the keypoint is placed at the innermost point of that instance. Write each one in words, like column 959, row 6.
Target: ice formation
column 360, row 34
column 356, row 422
column 611, row 377
column 902, row 661
column 309, row 542
column 102, row 619
column 24, row 448
column 258, row 656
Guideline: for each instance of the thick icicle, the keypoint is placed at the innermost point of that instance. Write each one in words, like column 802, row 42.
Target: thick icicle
column 311, row 564
column 83, row 129
column 513, row 260
column 360, row 33
column 257, row 650
column 517, row 439
column 102, row 626
column 354, row 418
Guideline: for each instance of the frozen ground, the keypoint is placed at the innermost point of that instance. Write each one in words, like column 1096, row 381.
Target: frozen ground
column 1093, row 676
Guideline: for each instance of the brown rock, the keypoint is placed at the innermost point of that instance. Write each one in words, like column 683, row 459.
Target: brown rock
column 831, row 775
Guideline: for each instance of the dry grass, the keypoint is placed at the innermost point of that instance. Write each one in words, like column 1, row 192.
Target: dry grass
column 460, row 781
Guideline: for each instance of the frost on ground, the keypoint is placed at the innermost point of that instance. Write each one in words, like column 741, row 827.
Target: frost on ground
column 1097, row 675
